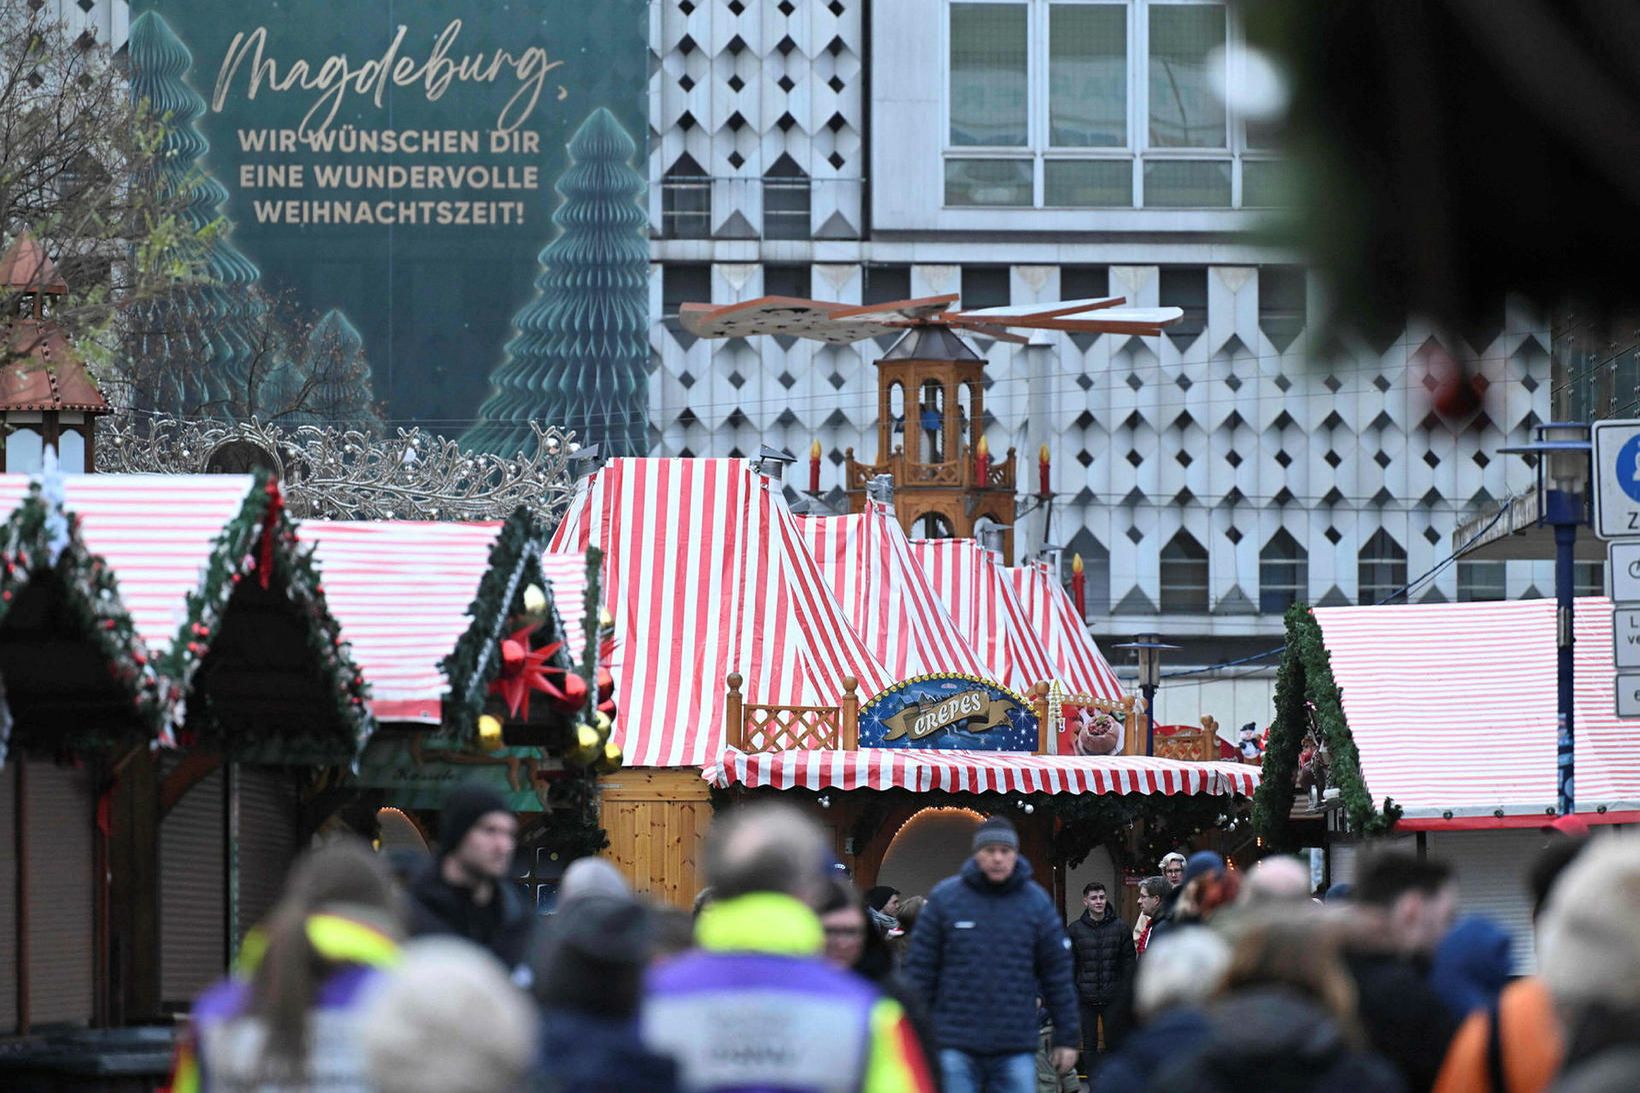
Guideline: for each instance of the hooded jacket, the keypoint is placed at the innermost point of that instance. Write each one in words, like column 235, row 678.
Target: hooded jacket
column 1102, row 953
column 980, row 957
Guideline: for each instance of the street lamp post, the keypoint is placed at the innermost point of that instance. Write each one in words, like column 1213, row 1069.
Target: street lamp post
column 1148, row 648
column 1562, row 448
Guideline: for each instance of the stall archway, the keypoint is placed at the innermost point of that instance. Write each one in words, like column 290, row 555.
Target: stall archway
column 930, row 845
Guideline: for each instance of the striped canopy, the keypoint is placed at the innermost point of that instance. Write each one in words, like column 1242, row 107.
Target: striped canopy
column 156, row 533
column 886, row 595
column 933, row 770
column 401, row 590
column 976, row 588
column 1082, row 668
column 1452, row 708
column 706, row 573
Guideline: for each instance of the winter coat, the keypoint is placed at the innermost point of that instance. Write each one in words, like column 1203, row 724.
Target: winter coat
column 503, row 926
column 584, row 1053
column 1150, row 1048
column 1472, row 964
column 1529, row 1045
column 1102, row 954
column 1404, row 1019
column 1275, row 1041
column 982, row 954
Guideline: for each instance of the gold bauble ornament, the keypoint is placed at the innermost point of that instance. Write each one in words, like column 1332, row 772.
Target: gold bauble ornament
column 610, row 761
column 489, row 732
column 606, row 621
column 535, row 600
column 588, row 745
column 601, row 721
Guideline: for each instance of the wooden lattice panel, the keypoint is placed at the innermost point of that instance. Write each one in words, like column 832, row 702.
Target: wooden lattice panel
column 791, row 728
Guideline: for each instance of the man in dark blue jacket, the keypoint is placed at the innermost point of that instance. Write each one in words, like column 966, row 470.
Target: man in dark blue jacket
column 987, row 945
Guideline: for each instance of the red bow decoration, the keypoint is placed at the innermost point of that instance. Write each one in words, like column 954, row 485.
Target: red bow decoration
column 524, row 669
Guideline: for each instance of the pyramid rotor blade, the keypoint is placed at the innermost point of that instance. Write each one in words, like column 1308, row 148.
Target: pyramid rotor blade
column 1013, row 312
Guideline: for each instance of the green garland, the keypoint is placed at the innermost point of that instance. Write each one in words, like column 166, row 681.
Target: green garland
column 515, row 563
column 1304, row 687
column 93, row 611
column 235, row 555
column 570, row 822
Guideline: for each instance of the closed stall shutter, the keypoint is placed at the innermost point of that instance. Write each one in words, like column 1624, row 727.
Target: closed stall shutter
column 8, row 898
column 193, row 926
column 1491, row 870
column 59, row 812
column 266, row 839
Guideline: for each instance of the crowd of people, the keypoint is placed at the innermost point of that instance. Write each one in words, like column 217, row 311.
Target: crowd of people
column 430, row 973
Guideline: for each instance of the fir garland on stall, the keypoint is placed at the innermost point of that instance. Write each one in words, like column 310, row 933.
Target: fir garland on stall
column 1307, row 695
column 259, row 543
column 93, row 611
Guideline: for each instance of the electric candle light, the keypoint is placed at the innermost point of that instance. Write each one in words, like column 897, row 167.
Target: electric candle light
column 1079, row 586
column 982, row 462
column 1043, row 467
column 814, row 466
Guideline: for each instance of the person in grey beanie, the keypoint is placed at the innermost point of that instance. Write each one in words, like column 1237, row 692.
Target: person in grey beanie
column 988, row 944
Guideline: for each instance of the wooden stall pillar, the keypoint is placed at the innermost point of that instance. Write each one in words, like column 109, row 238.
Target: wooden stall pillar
column 848, row 733
column 734, row 720
column 1044, row 728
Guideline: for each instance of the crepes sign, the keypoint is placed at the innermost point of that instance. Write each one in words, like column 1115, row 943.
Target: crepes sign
column 948, row 712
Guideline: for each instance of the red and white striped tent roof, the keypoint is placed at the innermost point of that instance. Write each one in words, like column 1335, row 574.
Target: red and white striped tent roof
column 1015, row 642
column 155, row 531
column 401, row 590
column 706, row 573
column 1452, row 708
column 867, row 561
column 933, row 770
column 1083, row 669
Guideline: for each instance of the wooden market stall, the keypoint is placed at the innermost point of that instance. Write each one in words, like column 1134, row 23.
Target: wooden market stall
column 739, row 660
column 1437, row 723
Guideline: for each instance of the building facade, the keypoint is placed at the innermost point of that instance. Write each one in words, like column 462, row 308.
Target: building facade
column 1022, row 151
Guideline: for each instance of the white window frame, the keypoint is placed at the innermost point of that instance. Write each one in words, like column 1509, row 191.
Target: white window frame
column 1138, row 152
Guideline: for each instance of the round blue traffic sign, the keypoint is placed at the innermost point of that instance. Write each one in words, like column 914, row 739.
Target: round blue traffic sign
column 1628, row 467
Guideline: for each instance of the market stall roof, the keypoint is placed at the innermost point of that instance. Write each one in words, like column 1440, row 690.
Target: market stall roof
column 401, row 590
column 156, row 533
column 1082, row 667
column 1452, row 709
column 976, row 589
column 868, row 563
column 706, row 573
column 937, row 770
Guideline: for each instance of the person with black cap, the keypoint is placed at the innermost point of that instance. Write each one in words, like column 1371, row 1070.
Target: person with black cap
column 465, row 890
column 988, row 944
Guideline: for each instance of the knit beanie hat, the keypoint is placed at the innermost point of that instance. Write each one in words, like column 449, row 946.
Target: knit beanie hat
column 592, row 956
column 591, row 878
column 463, row 808
column 996, row 831
column 1203, row 862
column 877, row 898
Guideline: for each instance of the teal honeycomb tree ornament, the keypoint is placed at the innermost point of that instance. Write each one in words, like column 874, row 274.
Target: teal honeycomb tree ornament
column 580, row 356
column 198, row 336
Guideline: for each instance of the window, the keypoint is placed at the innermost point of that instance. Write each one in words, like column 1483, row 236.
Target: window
column 1479, row 581
column 1184, row 576
column 1281, row 304
column 1184, row 287
column 1588, row 578
column 1283, row 574
column 1098, row 103
column 785, row 200
column 1095, row 571
column 934, row 526
column 25, row 450
column 1084, row 282
column 1381, row 569
column 885, row 283
column 686, row 201
column 683, row 283
column 787, row 281
column 984, row 286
